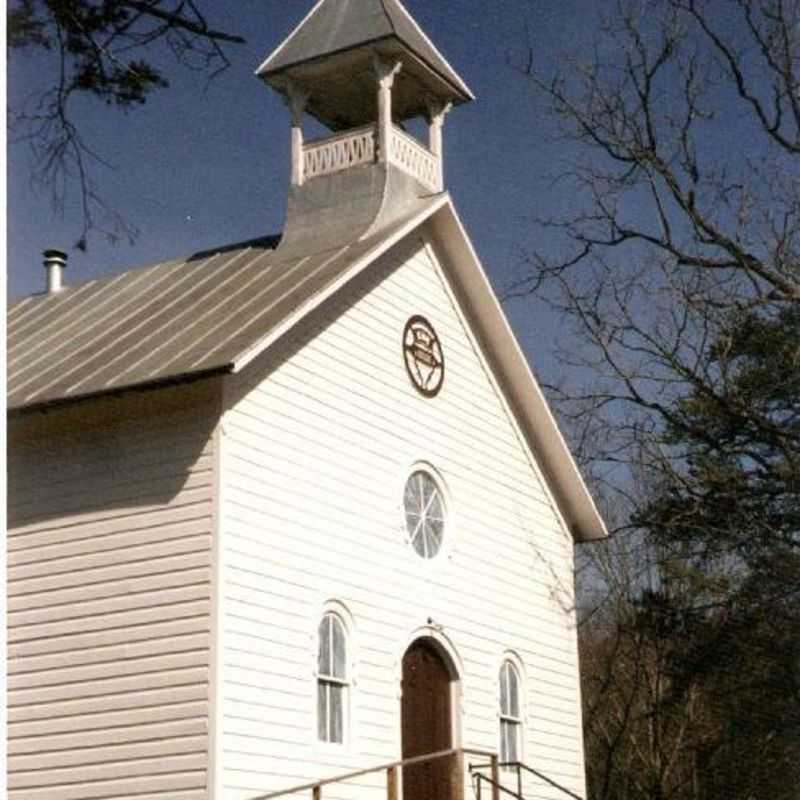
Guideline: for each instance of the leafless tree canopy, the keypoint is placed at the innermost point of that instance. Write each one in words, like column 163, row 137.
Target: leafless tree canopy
column 102, row 48
column 678, row 264
column 686, row 127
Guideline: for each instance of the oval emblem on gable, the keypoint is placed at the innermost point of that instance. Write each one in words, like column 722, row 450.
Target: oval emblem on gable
column 423, row 355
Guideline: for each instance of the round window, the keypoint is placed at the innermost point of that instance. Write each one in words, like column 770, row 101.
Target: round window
column 425, row 513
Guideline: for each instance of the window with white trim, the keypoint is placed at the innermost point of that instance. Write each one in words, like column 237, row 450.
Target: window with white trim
column 510, row 716
column 332, row 680
column 424, row 509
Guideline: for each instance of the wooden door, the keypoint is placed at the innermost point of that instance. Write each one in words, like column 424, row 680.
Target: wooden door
column 427, row 724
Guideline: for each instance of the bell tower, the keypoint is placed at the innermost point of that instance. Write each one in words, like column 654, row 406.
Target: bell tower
column 362, row 68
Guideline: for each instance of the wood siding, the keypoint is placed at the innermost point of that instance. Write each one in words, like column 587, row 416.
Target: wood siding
column 319, row 437
column 109, row 591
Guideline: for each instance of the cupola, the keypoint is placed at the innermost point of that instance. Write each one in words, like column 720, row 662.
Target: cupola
column 362, row 68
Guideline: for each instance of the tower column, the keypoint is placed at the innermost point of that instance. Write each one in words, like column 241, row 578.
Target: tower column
column 385, row 72
column 436, row 114
column 296, row 100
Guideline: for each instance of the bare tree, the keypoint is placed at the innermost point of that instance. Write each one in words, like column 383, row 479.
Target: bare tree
column 641, row 740
column 686, row 129
column 678, row 265
column 101, row 49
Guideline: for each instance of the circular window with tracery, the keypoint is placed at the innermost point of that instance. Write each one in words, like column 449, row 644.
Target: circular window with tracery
column 423, row 504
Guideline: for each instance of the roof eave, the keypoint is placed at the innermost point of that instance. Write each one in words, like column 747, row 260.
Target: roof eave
column 461, row 92
column 539, row 426
column 285, row 42
column 404, row 11
column 144, row 386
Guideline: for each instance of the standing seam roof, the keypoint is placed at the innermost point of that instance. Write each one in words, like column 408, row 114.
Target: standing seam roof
column 168, row 321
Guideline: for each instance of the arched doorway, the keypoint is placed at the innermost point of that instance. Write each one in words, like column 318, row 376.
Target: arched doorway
column 428, row 705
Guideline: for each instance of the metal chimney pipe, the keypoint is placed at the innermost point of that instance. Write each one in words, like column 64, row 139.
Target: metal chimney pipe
column 54, row 262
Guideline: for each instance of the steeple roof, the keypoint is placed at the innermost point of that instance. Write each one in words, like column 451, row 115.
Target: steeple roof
column 336, row 32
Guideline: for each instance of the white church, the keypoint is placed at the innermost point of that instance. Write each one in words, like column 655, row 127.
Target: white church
column 292, row 518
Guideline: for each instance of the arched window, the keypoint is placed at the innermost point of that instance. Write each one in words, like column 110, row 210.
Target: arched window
column 510, row 716
column 332, row 680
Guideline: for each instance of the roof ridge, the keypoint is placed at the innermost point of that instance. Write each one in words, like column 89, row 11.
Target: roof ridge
column 388, row 17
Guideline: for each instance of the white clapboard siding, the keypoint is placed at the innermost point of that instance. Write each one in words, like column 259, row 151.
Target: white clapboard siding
column 109, row 583
column 174, row 785
column 103, row 721
column 82, row 525
column 143, row 600
column 319, row 436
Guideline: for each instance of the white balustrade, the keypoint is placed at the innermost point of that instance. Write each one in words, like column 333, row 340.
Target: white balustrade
column 339, row 152
column 352, row 148
column 414, row 158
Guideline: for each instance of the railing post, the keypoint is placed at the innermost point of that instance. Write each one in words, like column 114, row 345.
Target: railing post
column 296, row 99
column 458, row 776
column 519, row 780
column 392, row 789
column 495, row 778
column 316, row 793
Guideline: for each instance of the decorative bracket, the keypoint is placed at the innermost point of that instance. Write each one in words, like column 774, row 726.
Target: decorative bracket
column 297, row 100
column 437, row 110
column 385, row 71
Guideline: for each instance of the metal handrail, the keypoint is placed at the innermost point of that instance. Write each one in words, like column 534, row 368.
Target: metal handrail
column 391, row 768
column 499, row 786
column 518, row 765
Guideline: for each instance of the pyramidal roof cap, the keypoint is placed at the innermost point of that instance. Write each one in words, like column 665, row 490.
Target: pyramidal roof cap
column 334, row 26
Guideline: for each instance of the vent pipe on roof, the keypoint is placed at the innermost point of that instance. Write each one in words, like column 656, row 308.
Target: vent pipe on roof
column 54, row 262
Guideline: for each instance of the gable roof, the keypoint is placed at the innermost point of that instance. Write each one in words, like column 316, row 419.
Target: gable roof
column 171, row 320
column 514, row 374
column 333, row 26
column 218, row 311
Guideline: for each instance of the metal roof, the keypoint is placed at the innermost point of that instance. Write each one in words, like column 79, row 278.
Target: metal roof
column 333, row 26
column 168, row 321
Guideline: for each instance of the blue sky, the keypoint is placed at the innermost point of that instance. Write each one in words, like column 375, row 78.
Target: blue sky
column 206, row 164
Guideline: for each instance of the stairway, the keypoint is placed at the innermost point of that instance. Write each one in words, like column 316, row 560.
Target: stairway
column 487, row 783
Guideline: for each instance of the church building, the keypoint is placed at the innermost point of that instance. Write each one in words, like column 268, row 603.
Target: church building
column 292, row 517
